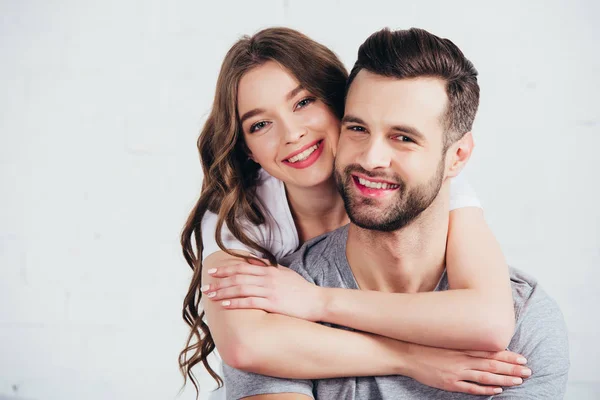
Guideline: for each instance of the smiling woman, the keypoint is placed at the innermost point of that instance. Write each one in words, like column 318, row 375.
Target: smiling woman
column 287, row 128
column 267, row 152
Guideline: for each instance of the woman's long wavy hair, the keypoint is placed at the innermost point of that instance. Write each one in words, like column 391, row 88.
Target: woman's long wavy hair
column 230, row 177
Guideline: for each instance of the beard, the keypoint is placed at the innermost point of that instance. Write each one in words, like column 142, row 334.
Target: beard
column 406, row 205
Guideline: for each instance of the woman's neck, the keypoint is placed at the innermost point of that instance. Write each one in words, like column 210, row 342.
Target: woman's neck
column 316, row 210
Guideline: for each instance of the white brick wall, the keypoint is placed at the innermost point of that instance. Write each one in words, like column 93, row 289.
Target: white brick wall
column 100, row 105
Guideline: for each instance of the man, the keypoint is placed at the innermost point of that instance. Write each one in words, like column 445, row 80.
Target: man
column 411, row 101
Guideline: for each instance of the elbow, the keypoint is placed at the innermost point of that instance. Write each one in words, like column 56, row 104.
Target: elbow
column 496, row 341
column 240, row 354
column 496, row 335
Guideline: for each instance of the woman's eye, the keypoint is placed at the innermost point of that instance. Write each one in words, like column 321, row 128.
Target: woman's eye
column 304, row 102
column 258, row 126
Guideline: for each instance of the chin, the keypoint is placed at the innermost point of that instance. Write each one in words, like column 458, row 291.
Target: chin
column 317, row 180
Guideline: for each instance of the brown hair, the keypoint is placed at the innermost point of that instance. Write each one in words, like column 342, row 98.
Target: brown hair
column 416, row 53
column 230, row 177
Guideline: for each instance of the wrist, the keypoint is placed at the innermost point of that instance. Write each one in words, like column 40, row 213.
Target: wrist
column 396, row 358
column 324, row 298
column 408, row 364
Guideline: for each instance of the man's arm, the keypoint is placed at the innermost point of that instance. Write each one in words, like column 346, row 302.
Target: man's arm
column 541, row 336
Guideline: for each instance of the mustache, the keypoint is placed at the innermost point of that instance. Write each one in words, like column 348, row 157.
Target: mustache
column 356, row 168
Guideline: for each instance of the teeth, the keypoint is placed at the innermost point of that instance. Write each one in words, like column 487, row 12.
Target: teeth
column 304, row 155
column 376, row 185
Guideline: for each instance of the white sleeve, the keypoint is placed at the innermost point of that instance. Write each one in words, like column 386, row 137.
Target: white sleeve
column 209, row 227
column 462, row 194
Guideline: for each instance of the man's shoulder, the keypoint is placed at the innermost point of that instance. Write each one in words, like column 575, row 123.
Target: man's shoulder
column 318, row 252
column 541, row 336
column 523, row 286
column 528, row 295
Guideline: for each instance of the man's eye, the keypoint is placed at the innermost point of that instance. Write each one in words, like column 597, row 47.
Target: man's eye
column 356, row 128
column 304, row 102
column 406, row 139
column 258, row 126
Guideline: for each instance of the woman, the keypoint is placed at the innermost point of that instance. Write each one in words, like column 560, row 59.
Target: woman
column 267, row 153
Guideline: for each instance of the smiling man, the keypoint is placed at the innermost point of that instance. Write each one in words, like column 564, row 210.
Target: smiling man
column 412, row 98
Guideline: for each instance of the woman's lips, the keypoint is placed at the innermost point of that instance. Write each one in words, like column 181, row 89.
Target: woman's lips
column 308, row 161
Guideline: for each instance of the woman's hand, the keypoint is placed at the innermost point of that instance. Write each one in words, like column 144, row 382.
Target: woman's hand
column 273, row 289
column 473, row 372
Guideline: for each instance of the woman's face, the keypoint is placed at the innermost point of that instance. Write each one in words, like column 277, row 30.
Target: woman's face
column 290, row 133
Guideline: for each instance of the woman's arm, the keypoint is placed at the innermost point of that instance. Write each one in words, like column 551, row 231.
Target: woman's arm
column 282, row 346
column 477, row 315
column 286, row 347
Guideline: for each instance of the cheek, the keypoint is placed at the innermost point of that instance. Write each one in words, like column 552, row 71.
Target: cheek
column 419, row 166
column 263, row 148
column 346, row 151
column 321, row 119
column 324, row 121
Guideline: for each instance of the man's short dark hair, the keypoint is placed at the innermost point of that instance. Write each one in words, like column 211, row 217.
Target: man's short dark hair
column 417, row 53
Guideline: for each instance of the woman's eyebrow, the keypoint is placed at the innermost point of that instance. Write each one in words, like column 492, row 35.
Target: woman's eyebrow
column 294, row 92
column 251, row 114
column 256, row 111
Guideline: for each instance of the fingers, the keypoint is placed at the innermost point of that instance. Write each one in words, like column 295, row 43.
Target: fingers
column 235, row 280
column 490, row 379
column 239, row 268
column 472, row 388
column 506, row 356
column 501, row 368
column 238, row 292
column 258, row 303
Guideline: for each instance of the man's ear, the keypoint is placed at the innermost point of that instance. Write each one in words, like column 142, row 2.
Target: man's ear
column 458, row 155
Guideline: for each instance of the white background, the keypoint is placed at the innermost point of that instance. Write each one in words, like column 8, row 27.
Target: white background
column 100, row 107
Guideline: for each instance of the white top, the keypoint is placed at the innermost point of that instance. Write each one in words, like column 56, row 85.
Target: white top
column 279, row 234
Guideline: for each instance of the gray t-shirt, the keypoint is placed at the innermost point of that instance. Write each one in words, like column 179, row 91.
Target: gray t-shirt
column 540, row 336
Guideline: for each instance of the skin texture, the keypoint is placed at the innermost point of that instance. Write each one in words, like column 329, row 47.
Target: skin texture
column 287, row 346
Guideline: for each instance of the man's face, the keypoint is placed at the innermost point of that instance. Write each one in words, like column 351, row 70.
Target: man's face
column 390, row 163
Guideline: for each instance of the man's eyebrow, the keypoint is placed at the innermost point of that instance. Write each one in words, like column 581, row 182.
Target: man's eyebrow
column 351, row 119
column 410, row 130
column 251, row 114
column 294, row 92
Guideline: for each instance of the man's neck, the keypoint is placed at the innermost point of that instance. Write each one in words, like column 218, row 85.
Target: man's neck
column 316, row 210
column 408, row 260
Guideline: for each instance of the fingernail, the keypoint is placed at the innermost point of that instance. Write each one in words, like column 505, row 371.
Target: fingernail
column 522, row 360
column 211, row 271
column 226, row 303
column 526, row 372
column 211, row 294
column 204, row 288
column 517, row 381
column 498, row 390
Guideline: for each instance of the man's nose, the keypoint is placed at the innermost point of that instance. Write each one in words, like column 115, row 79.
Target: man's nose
column 376, row 154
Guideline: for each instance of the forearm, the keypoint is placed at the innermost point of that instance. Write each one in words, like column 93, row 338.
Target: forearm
column 477, row 315
column 451, row 319
column 286, row 347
